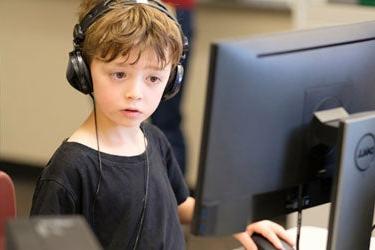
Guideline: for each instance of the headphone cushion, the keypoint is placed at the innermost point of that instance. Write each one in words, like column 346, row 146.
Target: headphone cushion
column 78, row 74
column 174, row 83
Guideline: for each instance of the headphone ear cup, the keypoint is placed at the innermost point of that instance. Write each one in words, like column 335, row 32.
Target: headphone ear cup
column 174, row 83
column 77, row 73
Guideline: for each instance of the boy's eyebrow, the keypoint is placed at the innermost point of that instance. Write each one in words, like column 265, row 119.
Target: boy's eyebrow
column 149, row 66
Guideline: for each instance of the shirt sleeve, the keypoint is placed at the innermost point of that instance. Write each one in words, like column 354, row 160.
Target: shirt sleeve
column 176, row 178
column 51, row 197
column 175, row 175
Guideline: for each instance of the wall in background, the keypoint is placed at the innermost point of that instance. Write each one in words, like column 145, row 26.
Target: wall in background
column 318, row 13
column 38, row 109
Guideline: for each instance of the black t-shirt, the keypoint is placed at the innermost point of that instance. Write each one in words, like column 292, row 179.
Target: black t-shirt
column 69, row 183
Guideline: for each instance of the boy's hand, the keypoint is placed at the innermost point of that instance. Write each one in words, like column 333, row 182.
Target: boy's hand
column 267, row 229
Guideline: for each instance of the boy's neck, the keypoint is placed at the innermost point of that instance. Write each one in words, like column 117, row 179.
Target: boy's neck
column 118, row 140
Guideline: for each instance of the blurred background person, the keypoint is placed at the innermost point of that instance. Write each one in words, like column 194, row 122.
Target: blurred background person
column 168, row 117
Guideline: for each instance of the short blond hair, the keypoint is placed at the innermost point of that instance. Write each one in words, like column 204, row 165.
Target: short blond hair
column 131, row 26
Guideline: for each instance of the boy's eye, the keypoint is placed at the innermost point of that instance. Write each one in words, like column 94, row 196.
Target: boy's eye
column 119, row 75
column 154, row 79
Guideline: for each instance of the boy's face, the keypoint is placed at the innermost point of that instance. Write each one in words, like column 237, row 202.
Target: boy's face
column 127, row 94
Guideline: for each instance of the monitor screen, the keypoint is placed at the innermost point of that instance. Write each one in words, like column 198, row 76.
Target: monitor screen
column 258, row 142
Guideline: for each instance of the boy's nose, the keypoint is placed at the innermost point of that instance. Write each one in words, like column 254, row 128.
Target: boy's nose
column 134, row 90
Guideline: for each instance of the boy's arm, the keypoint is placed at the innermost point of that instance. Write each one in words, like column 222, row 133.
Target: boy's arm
column 186, row 210
column 268, row 229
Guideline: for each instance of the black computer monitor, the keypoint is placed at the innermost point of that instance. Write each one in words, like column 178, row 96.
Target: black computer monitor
column 261, row 149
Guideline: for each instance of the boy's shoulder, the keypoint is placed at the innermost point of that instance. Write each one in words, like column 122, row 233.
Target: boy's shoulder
column 71, row 152
column 69, row 159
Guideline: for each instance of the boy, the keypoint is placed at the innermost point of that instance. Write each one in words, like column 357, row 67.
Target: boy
column 115, row 170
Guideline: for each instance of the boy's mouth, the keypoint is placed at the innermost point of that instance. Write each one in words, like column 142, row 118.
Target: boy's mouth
column 132, row 110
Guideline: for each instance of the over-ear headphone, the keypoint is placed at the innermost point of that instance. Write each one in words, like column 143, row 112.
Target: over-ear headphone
column 78, row 72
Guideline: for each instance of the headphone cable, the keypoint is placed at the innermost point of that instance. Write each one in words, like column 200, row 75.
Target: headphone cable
column 299, row 215
column 99, row 160
column 147, row 173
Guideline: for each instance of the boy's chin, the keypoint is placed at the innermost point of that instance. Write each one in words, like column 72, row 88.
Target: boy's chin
column 131, row 124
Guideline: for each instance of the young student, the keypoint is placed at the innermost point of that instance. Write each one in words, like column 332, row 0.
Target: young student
column 116, row 170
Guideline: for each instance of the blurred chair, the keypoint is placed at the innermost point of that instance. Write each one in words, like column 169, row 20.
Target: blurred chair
column 7, row 204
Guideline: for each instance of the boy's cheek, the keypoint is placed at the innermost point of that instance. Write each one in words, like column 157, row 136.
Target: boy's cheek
column 105, row 95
